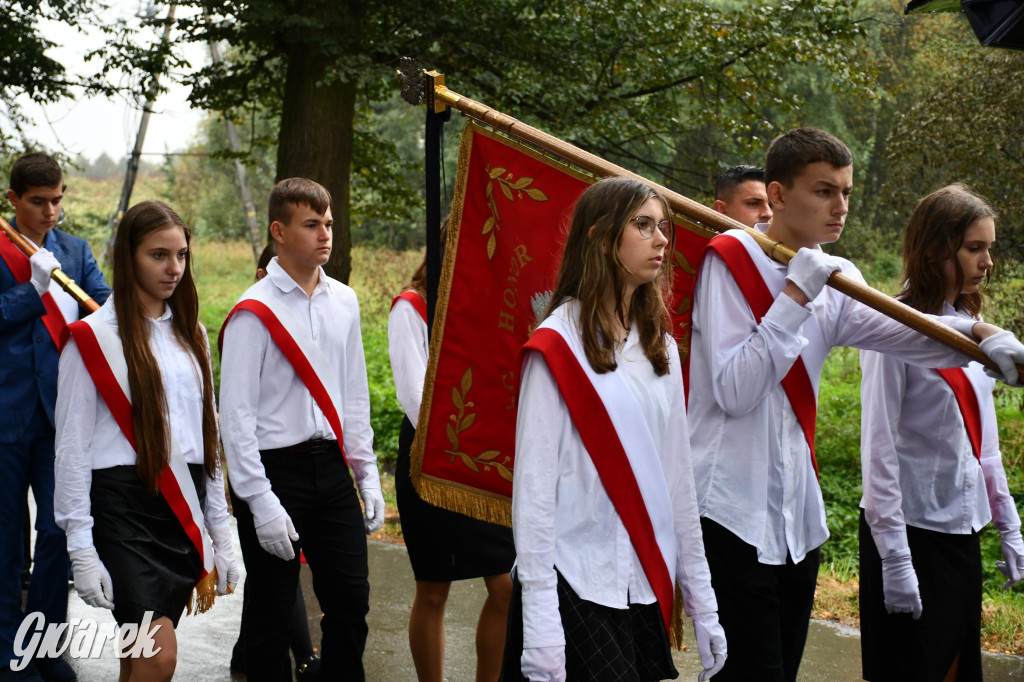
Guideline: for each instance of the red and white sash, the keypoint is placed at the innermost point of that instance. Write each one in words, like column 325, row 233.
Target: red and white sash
column 103, row 356
column 614, row 433
column 967, row 400
column 19, row 266
column 797, row 382
column 305, row 356
column 417, row 301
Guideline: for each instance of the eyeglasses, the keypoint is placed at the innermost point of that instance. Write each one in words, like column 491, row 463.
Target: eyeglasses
column 646, row 224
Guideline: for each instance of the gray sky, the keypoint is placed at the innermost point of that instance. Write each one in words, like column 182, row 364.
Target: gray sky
column 97, row 124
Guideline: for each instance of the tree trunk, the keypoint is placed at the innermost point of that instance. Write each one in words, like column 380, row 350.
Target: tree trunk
column 315, row 141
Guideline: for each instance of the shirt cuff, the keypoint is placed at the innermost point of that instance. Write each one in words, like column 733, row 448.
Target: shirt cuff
column 787, row 314
column 890, row 542
column 265, row 507
column 1005, row 516
column 542, row 623
column 80, row 539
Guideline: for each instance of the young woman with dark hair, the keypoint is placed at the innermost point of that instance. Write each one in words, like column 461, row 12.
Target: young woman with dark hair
column 604, row 509
column 932, row 471
column 139, row 490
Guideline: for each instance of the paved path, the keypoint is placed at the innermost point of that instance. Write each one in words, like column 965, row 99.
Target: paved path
column 833, row 654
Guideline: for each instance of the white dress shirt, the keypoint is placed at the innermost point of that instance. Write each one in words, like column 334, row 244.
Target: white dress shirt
column 751, row 460
column 407, row 348
column 562, row 516
column 265, row 405
column 88, row 437
column 918, row 465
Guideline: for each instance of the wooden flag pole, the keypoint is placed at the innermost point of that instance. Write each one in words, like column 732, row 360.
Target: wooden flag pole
column 66, row 283
column 438, row 97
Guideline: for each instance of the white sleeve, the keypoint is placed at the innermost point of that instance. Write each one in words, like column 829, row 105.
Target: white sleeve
column 692, row 572
column 1004, row 510
column 241, row 362
column 883, row 385
column 216, row 511
column 539, row 421
column 355, row 420
column 866, row 328
column 747, row 361
column 406, row 345
column 75, row 419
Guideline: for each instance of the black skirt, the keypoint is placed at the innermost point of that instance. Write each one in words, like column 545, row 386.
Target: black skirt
column 443, row 545
column 894, row 646
column 153, row 564
column 602, row 644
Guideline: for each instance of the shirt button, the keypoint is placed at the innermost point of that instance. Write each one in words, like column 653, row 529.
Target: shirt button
column 970, row 484
column 39, row 339
column 789, row 463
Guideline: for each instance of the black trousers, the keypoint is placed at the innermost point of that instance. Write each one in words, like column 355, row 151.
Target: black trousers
column 765, row 610
column 316, row 489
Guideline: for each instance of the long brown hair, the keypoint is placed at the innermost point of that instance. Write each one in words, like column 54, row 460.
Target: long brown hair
column 589, row 270
column 149, row 404
column 934, row 234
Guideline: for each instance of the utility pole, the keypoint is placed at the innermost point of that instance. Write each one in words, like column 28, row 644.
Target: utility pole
column 256, row 238
column 133, row 161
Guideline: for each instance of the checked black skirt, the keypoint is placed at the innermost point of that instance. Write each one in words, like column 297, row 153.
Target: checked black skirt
column 152, row 563
column 443, row 545
column 602, row 644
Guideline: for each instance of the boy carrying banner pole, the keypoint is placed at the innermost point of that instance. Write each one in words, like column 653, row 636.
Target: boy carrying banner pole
column 761, row 334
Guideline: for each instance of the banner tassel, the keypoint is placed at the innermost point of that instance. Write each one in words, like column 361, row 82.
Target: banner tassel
column 204, row 594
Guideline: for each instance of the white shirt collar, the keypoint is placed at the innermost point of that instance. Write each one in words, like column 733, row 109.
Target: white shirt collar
column 283, row 281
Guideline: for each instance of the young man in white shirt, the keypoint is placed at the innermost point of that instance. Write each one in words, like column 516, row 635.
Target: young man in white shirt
column 740, row 194
column 294, row 410
column 761, row 334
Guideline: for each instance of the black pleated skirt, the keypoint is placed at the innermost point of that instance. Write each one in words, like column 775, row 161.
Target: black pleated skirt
column 153, row 565
column 894, row 646
column 443, row 545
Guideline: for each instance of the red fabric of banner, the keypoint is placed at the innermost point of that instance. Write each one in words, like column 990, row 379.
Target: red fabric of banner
column 510, row 216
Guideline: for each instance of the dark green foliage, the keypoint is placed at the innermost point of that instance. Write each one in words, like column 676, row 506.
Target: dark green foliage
column 385, row 412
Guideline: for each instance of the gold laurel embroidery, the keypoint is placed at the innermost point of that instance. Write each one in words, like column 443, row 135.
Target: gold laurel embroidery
column 459, row 422
column 511, row 189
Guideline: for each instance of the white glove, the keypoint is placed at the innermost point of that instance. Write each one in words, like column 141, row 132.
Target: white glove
column 1012, row 565
column 810, row 269
column 1005, row 350
column 373, row 509
column 224, row 559
column 43, row 263
column 543, row 663
column 899, row 584
column 710, row 643
column 91, row 578
column 277, row 535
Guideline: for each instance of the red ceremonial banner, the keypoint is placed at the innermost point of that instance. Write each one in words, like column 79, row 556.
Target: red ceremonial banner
column 510, row 214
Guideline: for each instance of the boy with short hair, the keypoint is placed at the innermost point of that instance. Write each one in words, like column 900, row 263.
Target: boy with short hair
column 294, row 409
column 33, row 313
column 740, row 194
column 761, row 334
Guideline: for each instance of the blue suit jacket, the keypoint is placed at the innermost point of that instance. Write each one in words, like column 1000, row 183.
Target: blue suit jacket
column 28, row 358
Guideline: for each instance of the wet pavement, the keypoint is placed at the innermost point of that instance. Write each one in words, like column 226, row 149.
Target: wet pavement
column 204, row 642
